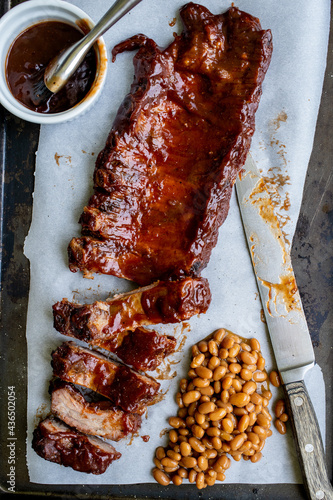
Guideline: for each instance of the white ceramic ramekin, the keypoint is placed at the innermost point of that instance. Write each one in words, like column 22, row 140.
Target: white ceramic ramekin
column 22, row 17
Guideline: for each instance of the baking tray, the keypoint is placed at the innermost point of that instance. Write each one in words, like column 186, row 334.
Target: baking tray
column 312, row 260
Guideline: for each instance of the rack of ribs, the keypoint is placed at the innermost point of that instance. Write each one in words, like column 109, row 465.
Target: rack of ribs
column 163, row 182
column 106, row 324
column 56, row 442
column 126, row 388
column 97, row 418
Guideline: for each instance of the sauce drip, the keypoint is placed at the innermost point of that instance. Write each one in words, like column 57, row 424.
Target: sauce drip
column 30, row 54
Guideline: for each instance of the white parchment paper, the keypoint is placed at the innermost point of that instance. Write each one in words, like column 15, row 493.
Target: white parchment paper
column 282, row 144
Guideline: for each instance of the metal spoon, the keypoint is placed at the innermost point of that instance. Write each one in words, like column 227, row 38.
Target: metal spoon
column 62, row 67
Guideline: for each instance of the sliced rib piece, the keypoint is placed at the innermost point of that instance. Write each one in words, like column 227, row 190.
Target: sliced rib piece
column 124, row 387
column 100, row 418
column 104, row 324
column 56, row 442
column 145, row 349
column 163, row 182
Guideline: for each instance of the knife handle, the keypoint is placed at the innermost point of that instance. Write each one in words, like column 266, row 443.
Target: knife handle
column 308, row 441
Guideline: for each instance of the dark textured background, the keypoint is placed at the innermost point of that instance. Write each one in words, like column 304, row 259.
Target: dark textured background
column 312, row 259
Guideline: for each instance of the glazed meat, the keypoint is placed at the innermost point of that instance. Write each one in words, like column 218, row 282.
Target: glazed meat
column 56, row 442
column 124, row 387
column 100, row 418
column 104, row 324
column 163, row 182
column 145, row 349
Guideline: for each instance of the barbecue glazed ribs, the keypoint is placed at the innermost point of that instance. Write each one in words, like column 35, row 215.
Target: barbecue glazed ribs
column 163, row 182
column 56, row 442
column 126, row 388
column 104, row 324
column 99, row 418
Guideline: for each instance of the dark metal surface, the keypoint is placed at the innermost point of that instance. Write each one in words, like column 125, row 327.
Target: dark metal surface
column 312, row 260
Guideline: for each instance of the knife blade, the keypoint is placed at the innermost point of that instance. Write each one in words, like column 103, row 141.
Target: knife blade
column 286, row 322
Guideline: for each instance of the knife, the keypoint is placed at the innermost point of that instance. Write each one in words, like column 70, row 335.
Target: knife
column 286, row 323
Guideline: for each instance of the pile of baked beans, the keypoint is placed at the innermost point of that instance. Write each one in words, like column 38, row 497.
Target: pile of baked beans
column 223, row 410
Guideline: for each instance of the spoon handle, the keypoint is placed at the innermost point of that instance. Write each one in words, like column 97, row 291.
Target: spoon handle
column 61, row 68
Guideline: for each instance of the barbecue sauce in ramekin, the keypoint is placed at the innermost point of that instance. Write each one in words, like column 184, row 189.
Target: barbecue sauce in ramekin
column 28, row 57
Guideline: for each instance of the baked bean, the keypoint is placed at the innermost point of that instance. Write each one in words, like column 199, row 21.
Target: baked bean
column 209, row 480
column 234, row 350
column 202, row 462
column 160, row 453
column 255, row 345
column 237, row 442
column 280, row 426
column 217, row 443
column 225, row 435
column 192, row 476
column 219, row 335
column 190, row 397
column 192, row 373
column 235, row 367
column 279, row 408
column 256, row 457
column 256, row 399
column 227, row 342
column 182, row 473
column 261, row 363
column 169, row 462
column 223, row 353
column 173, row 436
column 247, row 358
column 269, row 432
column 197, row 360
column 259, row 376
column 266, row 394
column 177, row 480
column 207, row 391
column 217, row 387
column 253, row 437
column 249, row 387
column 200, row 480
column 210, row 454
column 212, row 347
column 263, row 421
column 284, row 417
column 183, row 432
column 197, row 444
column 213, row 431
column 161, row 477
column 274, row 378
column 207, row 407
column 239, row 412
column 239, row 399
column 226, row 382
column 265, row 412
column 227, row 425
column 197, row 431
column 204, row 372
column 245, row 374
column 217, row 414
column 185, row 449
column 219, row 372
column 176, row 422
column 183, row 385
column 257, row 429
column 188, row 462
column 253, row 419
column 203, row 346
column 236, row 384
column 158, row 463
column 214, row 362
column 220, row 476
column 243, row 423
